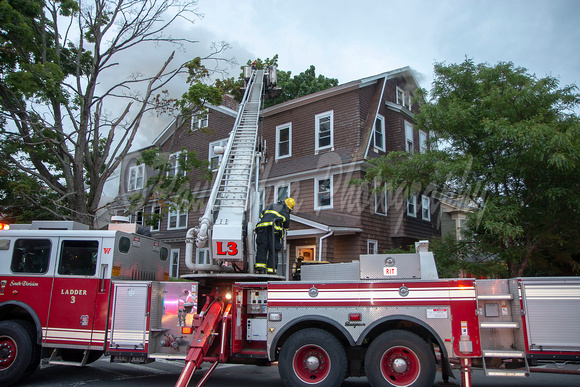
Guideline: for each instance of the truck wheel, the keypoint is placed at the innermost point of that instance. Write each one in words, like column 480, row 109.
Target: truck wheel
column 401, row 359
column 16, row 351
column 312, row 357
column 36, row 349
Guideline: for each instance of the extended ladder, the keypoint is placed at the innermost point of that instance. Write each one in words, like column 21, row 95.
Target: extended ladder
column 228, row 201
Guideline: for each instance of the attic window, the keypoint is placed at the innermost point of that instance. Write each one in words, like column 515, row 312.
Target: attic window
column 401, row 97
column 136, row 177
column 324, row 123
column 199, row 121
column 379, row 133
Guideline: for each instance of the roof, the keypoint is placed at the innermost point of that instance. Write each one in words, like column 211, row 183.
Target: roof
column 324, row 222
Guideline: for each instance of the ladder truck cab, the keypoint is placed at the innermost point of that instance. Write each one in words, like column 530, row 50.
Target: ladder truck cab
column 55, row 287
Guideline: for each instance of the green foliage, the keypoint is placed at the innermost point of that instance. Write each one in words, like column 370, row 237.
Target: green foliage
column 305, row 83
column 510, row 142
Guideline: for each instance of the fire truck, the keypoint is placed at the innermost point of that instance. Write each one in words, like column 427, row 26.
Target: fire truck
column 73, row 295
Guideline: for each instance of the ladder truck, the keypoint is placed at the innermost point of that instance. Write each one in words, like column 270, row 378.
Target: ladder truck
column 72, row 295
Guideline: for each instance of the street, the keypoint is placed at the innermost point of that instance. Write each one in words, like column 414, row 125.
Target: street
column 165, row 373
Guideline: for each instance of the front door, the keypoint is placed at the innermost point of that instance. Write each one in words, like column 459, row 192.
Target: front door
column 74, row 293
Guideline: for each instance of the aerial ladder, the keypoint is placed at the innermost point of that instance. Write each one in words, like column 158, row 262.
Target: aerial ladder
column 233, row 207
column 227, row 227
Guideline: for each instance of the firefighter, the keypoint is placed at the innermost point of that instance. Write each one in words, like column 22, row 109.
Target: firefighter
column 270, row 231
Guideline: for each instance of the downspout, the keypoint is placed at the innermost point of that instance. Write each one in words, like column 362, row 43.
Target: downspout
column 320, row 244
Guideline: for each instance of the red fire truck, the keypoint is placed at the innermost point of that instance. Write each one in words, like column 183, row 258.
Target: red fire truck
column 72, row 295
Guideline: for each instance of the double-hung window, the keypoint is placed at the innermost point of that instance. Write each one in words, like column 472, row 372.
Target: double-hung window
column 412, row 205
column 409, row 144
column 174, row 268
column 156, row 213
column 379, row 133
column 282, row 192
column 283, row 141
column 324, row 123
column 425, row 208
column 177, row 219
column 199, row 121
column 422, row 141
column 372, row 246
column 136, row 174
column 174, row 166
column 323, row 193
column 380, row 199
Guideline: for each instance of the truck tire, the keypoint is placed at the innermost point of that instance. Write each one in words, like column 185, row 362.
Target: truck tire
column 399, row 359
column 312, row 357
column 36, row 349
column 16, row 351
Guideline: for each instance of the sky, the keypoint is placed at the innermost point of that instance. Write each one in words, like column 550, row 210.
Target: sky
column 350, row 40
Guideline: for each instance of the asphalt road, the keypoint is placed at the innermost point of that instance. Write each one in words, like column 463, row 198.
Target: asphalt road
column 165, row 373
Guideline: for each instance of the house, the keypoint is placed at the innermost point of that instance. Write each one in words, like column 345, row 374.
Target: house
column 315, row 145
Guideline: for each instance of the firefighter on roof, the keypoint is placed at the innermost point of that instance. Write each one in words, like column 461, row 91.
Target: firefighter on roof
column 270, row 229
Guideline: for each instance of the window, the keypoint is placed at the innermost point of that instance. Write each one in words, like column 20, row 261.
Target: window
column 216, row 159
column 199, row 121
column 31, row 256
column 422, row 141
column 137, row 218
column 323, row 188
column 202, row 256
column 282, row 192
column 372, row 246
column 379, row 133
column 409, row 137
column 177, row 220
column 381, row 200
column 174, row 167
column 283, row 141
column 324, row 123
column 400, row 97
column 425, row 208
column 412, row 205
column 174, row 264
column 136, row 177
column 156, row 212
column 78, row 257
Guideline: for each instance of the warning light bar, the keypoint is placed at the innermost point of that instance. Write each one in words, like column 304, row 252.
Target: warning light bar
column 4, row 226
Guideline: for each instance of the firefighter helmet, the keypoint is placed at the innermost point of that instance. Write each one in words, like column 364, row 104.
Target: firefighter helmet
column 290, row 203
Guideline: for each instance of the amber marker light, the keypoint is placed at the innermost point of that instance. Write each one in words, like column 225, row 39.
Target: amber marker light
column 186, row 330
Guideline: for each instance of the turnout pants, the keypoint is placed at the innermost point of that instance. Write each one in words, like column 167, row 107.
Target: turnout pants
column 268, row 245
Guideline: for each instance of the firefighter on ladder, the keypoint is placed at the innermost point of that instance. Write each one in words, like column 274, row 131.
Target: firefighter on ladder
column 270, row 231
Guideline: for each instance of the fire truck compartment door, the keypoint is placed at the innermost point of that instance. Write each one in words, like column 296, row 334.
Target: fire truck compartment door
column 74, row 292
column 129, row 316
column 552, row 314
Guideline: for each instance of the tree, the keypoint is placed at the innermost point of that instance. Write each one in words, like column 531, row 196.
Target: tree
column 510, row 142
column 292, row 87
column 58, row 57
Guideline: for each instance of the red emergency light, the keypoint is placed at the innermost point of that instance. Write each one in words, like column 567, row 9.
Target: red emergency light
column 4, row 226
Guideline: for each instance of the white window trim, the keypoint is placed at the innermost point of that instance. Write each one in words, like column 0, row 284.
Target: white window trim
column 210, row 155
column 409, row 137
column 158, row 226
column 178, row 215
column 425, row 202
column 175, row 163
column 198, row 120
column 317, row 130
column 422, row 141
column 280, row 186
column 371, row 242
column 136, row 170
column 317, row 206
column 278, row 129
column 377, row 194
column 380, row 146
column 412, row 197
column 205, row 252
column 400, row 101
column 171, row 263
